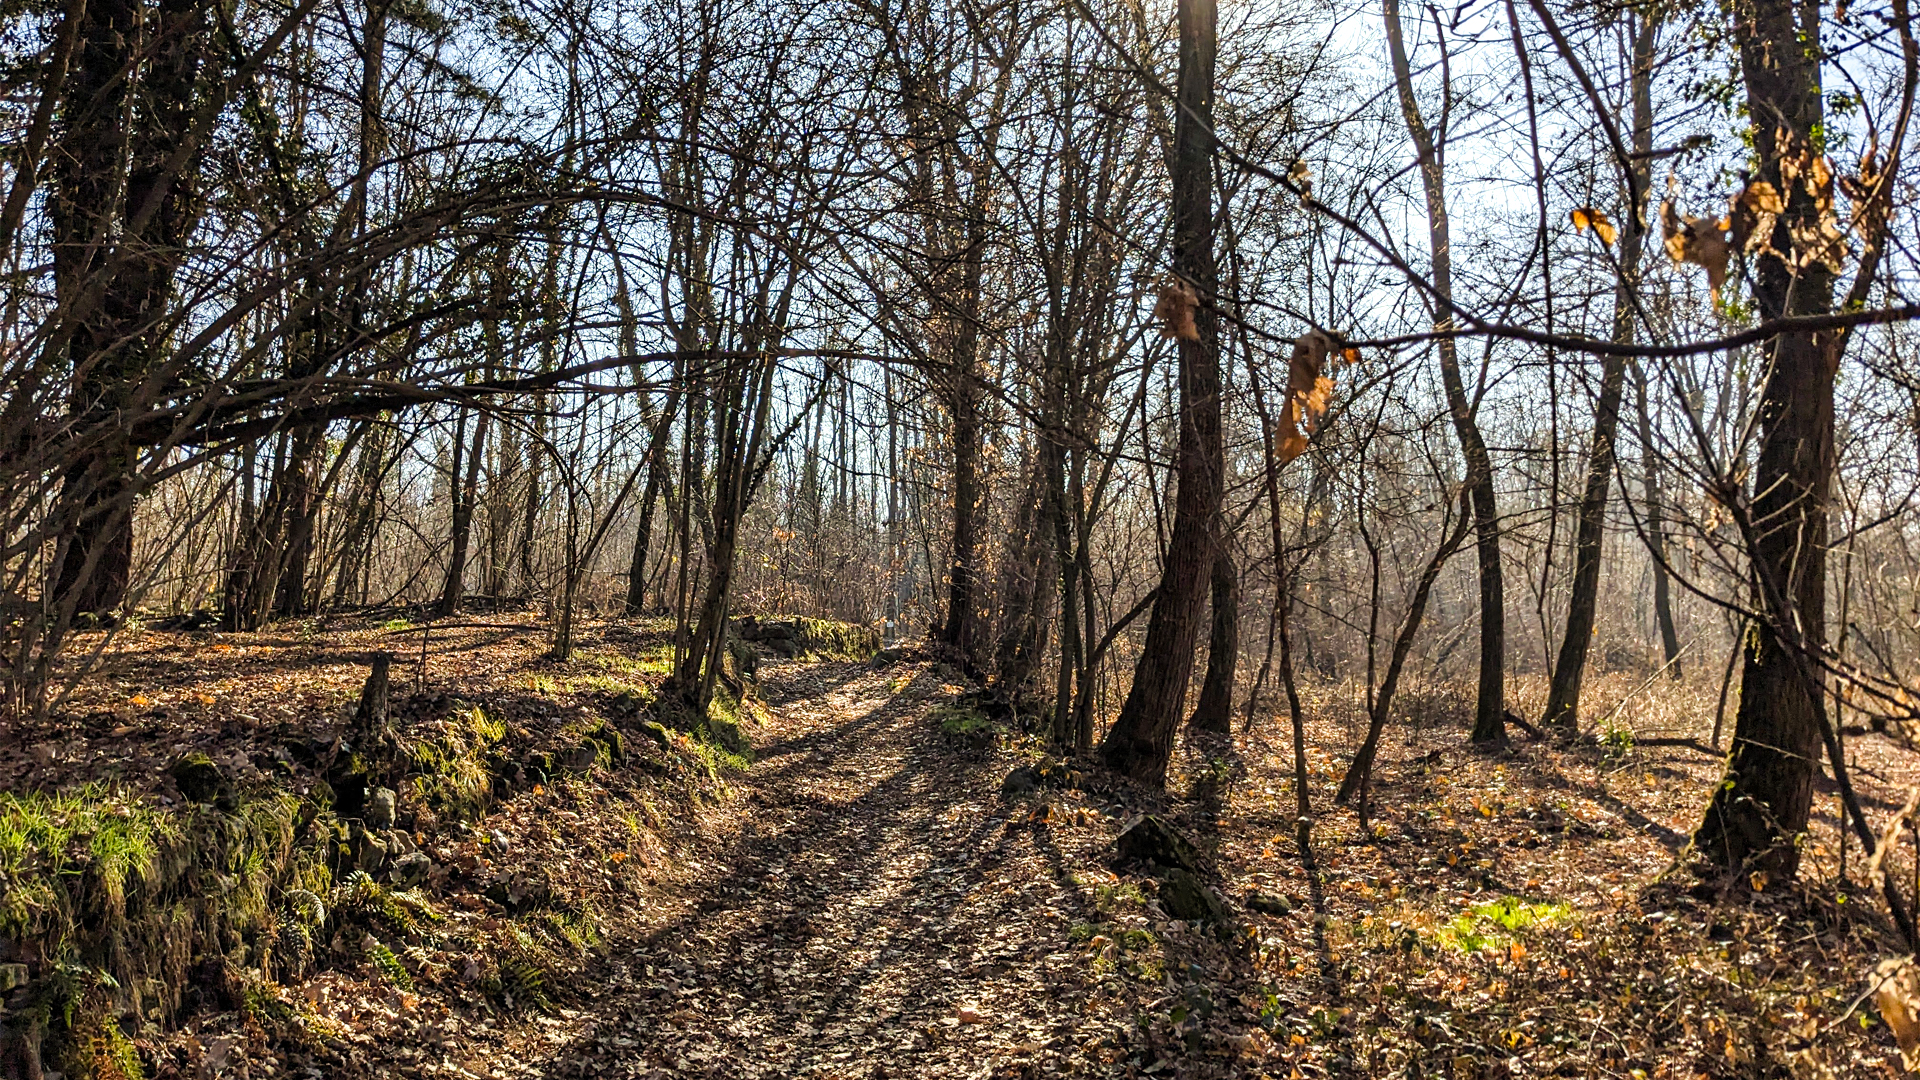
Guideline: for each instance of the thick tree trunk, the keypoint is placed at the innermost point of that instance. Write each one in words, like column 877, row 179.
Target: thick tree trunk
column 1214, row 712
column 1754, row 817
column 1563, row 694
column 1140, row 743
column 961, row 630
column 115, row 252
column 1489, row 714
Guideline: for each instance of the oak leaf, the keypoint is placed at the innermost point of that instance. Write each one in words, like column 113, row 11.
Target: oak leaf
column 1175, row 310
column 1586, row 217
column 1752, row 214
column 1309, row 392
column 1697, row 240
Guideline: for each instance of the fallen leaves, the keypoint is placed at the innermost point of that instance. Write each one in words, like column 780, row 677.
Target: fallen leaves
column 1897, row 994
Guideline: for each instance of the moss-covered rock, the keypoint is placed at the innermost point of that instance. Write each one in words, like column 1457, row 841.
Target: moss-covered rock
column 199, row 779
column 1184, row 896
column 1154, row 843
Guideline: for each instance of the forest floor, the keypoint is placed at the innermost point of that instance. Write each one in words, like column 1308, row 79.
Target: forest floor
column 864, row 899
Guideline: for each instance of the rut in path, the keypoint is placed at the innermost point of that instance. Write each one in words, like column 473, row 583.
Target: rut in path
column 879, row 912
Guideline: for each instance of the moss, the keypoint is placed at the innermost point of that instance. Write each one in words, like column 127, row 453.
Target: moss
column 966, row 725
column 198, row 778
column 49, row 843
column 452, row 775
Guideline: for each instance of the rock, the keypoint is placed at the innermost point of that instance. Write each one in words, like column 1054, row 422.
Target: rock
column 410, row 870
column 580, row 758
column 655, row 730
column 1268, row 903
column 1184, row 896
column 12, row 976
column 1153, row 842
column 613, row 745
column 378, row 813
column 1021, row 781
column 369, row 852
column 198, row 778
column 888, row 657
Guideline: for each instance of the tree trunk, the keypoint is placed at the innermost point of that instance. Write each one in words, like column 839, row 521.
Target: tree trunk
column 1563, row 694
column 465, row 490
column 115, row 253
column 1140, row 743
column 1755, row 815
column 1214, row 713
column 650, row 495
column 1656, row 529
column 961, row 631
column 1489, row 714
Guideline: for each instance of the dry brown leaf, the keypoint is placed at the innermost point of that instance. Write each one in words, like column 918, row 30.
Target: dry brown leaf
column 1308, row 393
column 1896, row 993
column 1175, row 310
column 1752, row 214
column 1871, row 196
column 1697, row 240
column 1587, row 217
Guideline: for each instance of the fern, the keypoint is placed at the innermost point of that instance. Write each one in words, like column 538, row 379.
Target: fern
column 387, row 964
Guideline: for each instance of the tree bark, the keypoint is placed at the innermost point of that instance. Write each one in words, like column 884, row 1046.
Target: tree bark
column 1656, row 529
column 1755, row 815
column 1140, row 743
column 121, row 209
column 1214, row 713
column 1563, row 694
column 1489, row 714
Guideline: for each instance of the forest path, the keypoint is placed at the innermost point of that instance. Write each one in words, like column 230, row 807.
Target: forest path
column 876, row 911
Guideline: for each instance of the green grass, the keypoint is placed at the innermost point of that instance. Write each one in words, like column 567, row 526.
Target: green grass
column 46, row 840
column 960, row 722
column 453, row 776
column 1496, row 924
column 656, row 662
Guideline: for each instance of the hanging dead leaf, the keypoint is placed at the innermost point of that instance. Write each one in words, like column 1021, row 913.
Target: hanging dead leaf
column 1752, row 214
column 1308, row 393
column 1175, row 310
column 1697, row 240
column 1820, row 241
column 1587, row 217
column 1896, row 991
column 1872, row 198
column 1301, row 175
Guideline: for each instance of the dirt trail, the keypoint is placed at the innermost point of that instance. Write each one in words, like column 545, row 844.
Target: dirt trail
column 877, row 911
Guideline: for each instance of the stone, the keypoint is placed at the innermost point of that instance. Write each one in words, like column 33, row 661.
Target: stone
column 1155, row 843
column 612, row 744
column 12, row 977
column 655, row 730
column 410, row 870
column 368, row 850
column 579, row 758
column 1184, row 896
column 1268, row 903
column 1021, row 781
column 380, row 808
column 198, row 778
